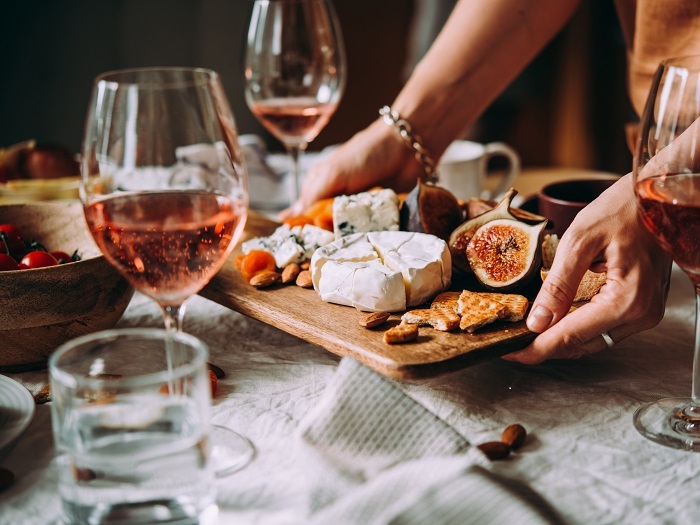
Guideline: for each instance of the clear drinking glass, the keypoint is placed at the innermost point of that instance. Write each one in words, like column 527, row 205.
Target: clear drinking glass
column 164, row 189
column 128, row 450
column 667, row 185
column 294, row 71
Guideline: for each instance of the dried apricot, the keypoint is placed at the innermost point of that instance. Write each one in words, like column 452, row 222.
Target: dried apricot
column 257, row 261
column 299, row 220
column 325, row 221
column 324, row 206
column 238, row 261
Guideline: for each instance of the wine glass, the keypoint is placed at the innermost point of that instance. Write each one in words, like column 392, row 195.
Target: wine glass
column 164, row 191
column 294, row 71
column 667, row 185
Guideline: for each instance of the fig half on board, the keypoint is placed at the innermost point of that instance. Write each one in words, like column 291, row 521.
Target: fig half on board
column 505, row 254
column 430, row 209
column 460, row 237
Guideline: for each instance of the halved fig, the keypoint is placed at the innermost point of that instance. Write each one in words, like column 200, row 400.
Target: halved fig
column 505, row 254
column 460, row 237
column 430, row 209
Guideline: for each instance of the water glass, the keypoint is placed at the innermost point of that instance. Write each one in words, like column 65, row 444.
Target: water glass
column 130, row 419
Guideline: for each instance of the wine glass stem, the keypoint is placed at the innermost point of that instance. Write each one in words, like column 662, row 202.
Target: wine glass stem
column 173, row 316
column 696, row 354
column 295, row 153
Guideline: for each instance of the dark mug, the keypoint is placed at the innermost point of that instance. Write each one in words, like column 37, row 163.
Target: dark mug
column 561, row 201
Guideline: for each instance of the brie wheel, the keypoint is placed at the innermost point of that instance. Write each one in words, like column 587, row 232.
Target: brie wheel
column 382, row 271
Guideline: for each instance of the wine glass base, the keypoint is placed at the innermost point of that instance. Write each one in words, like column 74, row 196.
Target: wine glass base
column 672, row 422
column 230, row 451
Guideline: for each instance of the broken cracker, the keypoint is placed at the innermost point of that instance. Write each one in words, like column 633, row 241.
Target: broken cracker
column 477, row 310
column 447, row 301
column 515, row 305
column 401, row 333
column 442, row 319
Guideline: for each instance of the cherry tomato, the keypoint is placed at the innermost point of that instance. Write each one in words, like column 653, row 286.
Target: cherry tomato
column 62, row 257
column 7, row 263
column 13, row 238
column 38, row 260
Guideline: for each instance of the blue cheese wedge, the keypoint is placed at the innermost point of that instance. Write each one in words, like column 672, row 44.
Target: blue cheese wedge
column 290, row 245
column 371, row 211
column 382, row 271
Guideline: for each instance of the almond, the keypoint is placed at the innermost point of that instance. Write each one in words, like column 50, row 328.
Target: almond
column 43, row 395
column 305, row 265
column 514, row 436
column 495, row 450
column 290, row 273
column 304, row 279
column 264, row 279
column 374, row 319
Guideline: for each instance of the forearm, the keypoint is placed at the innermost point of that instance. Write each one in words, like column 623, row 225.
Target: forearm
column 482, row 48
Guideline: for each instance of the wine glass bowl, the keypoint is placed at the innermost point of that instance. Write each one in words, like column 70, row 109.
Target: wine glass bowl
column 164, row 187
column 294, row 71
column 667, row 185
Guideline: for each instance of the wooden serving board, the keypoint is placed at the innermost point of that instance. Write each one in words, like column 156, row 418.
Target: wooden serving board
column 302, row 313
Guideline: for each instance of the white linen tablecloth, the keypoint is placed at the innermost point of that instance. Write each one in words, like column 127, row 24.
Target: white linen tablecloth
column 304, row 412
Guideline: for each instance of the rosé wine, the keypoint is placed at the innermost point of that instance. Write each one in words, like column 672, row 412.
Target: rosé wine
column 293, row 120
column 168, row 244
column 669, row 207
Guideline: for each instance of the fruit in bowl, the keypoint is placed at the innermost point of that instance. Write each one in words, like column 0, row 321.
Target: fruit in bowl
column 42, row 307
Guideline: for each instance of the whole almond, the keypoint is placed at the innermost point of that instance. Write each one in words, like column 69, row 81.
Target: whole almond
column 374, row 319
column 304, row 279
column 290, row 273
column 495, row 450
column 264, row 279
column 514, row 436
column 305, row 265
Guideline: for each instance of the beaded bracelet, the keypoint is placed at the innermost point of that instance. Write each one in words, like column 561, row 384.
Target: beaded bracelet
column 392, row 118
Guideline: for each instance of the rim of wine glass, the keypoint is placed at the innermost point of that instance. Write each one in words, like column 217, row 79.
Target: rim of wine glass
column 182, row 370
column 121, row 77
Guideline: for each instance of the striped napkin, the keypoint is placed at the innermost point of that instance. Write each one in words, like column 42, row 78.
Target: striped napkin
column 375, row 456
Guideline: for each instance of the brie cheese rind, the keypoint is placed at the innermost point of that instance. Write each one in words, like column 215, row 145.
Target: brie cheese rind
column 369, row 211
column 290, row 245
column 382, row 271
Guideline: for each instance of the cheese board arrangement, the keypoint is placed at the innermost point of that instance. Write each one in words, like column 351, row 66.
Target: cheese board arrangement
column 409, row 292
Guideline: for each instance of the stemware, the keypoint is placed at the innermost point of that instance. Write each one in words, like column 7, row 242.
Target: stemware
column 294, row 71
column 667, row 185
column 164, row 188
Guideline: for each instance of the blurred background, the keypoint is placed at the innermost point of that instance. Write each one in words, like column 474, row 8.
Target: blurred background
column 568, row 108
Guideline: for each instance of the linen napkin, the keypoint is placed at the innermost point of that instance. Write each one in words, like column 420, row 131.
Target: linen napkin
column 373, row 455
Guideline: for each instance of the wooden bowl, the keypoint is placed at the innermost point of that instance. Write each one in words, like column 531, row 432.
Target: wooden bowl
column 42, row 308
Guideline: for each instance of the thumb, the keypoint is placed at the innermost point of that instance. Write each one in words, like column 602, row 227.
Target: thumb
column 558, row 290
column 296, row 209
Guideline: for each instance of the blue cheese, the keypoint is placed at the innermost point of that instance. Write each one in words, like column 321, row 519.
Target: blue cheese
column 371, row 211
column 290, row 245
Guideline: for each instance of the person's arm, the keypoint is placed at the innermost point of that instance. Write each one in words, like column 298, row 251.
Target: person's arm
column 481, row 49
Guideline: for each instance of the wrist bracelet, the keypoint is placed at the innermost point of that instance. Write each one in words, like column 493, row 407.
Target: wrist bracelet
column 392, row 118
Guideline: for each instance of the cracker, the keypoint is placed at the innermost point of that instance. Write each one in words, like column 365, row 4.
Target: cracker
column 401, row 333
column 515, row 305
column 441, row 319
column 447, row 300
column 477, row 310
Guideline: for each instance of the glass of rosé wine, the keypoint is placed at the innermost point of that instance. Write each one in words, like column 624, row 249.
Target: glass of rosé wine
column 294, row 71
column 667, row 184
column 164, row 191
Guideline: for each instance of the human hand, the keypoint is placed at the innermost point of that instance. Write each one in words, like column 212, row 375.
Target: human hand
column 608, row 236
column 374, row 156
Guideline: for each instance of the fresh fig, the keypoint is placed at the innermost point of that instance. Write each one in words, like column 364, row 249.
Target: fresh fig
column 430, row 209
column 505, row 254
column 460, row 237
column 477, row 206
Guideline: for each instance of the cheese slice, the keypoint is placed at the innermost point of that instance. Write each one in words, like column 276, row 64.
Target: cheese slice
column 375, row 210
column 381, row 271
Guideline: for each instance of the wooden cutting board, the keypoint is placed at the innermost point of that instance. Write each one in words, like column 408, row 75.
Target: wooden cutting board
column 302, row 313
